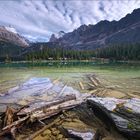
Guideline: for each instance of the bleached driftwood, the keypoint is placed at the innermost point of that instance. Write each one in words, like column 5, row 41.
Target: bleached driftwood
column 15, row 124
column 43, row 129
column 81, row 85
column 94, row 81
column 41, row 112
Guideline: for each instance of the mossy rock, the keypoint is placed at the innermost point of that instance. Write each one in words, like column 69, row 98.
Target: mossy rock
column 46, row 132
column 40, row 138
column 53, row 129
column 60, row 137
column 55, row 133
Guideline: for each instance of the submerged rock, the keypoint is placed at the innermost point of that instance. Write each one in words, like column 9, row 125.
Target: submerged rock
column 82, row 135
column 36, row 90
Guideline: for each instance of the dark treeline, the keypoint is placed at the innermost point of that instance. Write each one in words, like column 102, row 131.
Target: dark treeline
column 43, row 52
column 114, row 52
column 120, row 52
column 10, row 52
column 48, row 53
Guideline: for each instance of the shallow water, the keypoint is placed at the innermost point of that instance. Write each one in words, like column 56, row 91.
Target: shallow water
column 23, row 83
column 124, row 76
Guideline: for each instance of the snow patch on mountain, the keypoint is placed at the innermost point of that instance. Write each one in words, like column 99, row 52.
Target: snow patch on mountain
column 11, row 29
column 57, row 36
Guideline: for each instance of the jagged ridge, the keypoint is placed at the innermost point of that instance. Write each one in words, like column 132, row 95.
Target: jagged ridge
column 103, row 33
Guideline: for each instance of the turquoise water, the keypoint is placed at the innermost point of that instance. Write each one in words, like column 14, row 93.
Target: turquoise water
column 125, row 75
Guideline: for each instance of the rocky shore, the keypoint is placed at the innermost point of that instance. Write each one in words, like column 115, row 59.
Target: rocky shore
column 41, row 109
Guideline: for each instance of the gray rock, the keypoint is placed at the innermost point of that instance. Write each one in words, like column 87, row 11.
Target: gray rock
column 121, row 114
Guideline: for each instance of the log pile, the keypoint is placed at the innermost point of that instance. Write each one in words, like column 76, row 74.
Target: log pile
column 96, row 88
column 14, row 119
column 123, row 114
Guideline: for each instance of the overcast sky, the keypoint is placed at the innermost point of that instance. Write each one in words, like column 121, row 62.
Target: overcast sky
column 38, row 19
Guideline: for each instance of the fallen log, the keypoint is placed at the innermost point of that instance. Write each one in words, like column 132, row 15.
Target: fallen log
column 45, row 113
column 91, row 85
column 62, row 90
column 93, row 91
column 93, row 81
column 9, row 116
column 15, row 124
column 44, row 105
column 31, row 137
column 40, row 111
column 97, row 80
column 81, row 85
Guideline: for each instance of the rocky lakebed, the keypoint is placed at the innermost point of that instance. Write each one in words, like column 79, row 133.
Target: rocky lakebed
column 45, row 109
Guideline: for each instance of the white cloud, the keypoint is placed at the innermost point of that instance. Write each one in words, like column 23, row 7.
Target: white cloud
column 40, row 18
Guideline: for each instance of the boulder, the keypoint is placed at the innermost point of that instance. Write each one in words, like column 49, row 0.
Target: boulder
column 123, row 115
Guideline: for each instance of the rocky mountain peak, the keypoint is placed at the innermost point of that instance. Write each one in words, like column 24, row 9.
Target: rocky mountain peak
column 11, row 29
column 56, row 36
column 9, row 34
column 126, row 30
column 82, row 27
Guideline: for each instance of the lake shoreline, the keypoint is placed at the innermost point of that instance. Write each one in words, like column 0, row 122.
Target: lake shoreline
column 92, row 60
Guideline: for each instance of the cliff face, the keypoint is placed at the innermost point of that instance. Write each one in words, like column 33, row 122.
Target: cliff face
column 8, row 36
column 103, row 33
column 11, row 43
column 56, row 36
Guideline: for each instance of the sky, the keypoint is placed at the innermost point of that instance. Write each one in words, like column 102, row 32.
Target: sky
column 38, row 19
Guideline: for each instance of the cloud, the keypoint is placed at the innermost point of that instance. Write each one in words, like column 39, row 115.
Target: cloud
column 38, row 19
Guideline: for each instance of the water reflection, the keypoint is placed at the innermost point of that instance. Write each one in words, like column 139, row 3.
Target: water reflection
column 75, row 64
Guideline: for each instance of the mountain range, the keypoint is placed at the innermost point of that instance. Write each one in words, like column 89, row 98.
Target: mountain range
column 86, row 37
column 9, row 35
column 104, row 33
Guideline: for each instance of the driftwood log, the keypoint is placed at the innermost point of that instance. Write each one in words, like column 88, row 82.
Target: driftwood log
column 43, row 129
column 9, row 116
column 14, row 125
column 81, row 85
column 40, row 111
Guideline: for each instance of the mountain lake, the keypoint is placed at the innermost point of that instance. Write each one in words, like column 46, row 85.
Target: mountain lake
column 122, row 76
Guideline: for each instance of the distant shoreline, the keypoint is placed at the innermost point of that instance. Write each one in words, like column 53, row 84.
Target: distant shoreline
column 94, row 60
